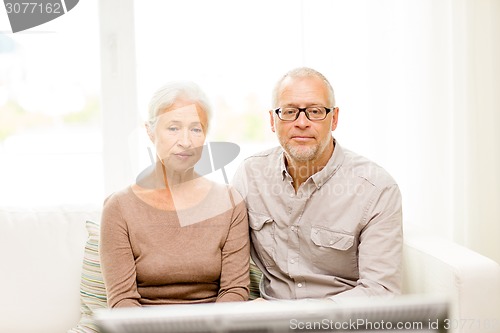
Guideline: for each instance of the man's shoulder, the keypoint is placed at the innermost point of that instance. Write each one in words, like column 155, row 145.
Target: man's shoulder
column 263, row 156
column 264, row 164
column 363, row 167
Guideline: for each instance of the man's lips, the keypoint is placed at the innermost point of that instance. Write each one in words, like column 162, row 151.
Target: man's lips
column 302, row 138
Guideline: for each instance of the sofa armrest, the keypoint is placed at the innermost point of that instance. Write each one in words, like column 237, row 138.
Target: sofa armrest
column 470, row 281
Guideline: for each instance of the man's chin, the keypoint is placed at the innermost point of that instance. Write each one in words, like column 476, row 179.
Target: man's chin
column 301, row 153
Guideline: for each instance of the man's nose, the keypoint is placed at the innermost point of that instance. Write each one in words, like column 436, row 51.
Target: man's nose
column 302, row 120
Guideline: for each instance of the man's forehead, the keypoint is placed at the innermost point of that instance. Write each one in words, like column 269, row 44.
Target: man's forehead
column 302, row 86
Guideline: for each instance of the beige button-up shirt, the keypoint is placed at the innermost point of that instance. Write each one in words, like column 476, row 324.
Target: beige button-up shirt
column 339, row 235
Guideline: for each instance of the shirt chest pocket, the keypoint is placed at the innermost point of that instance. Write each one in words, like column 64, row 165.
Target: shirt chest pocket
column 331, row 239
column 262, row 233
column 334, row 252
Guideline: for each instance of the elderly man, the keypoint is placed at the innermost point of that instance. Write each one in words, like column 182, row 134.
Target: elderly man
column 325, row 222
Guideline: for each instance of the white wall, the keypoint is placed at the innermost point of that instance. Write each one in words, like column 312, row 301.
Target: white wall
column 417, row 83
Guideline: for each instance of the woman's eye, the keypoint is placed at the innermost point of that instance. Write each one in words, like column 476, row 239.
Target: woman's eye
column 197, row 130
column 173, row 129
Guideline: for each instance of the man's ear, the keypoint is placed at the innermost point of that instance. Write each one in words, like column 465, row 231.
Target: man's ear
column 335, row 118
column 271, row 119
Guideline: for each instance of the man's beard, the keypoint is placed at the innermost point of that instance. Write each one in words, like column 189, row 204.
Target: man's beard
column 302, row 153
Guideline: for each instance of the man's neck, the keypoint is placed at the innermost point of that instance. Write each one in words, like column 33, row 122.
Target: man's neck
column 300, row 171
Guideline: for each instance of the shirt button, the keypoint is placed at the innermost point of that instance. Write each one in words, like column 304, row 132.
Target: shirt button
column 293, row 228
column 299, row 285
column 331, row 242
column 292, row 261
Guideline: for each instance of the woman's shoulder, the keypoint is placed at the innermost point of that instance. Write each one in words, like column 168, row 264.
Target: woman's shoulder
column 220, row 190
column 125, row 194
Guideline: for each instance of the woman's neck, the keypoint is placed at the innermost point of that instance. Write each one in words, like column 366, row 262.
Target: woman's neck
column 178, row 179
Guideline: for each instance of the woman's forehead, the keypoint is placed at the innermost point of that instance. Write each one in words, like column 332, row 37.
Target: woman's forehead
column 183, row 112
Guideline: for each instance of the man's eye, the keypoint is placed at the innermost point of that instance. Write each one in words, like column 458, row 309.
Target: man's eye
column 173, row 129
column 289, row 111
column 315, row 110
column 197, row 130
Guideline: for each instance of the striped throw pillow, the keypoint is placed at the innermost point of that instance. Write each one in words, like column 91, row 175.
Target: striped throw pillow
column 255, row 277
column 92, row 290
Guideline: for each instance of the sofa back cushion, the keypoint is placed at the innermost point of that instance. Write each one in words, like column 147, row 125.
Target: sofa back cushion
column 42, row 251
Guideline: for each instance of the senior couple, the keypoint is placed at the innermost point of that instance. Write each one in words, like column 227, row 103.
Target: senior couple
column 318, row 220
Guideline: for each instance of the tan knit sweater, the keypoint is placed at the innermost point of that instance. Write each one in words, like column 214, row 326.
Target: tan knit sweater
column 154, row 256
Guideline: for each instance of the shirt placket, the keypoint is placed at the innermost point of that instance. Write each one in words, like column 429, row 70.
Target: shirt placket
column 295, row 210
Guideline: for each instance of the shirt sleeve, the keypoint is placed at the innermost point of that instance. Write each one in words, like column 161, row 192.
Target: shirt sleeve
column 239, row 181
column 380, row 248
column 235, row 277
column 117, row 260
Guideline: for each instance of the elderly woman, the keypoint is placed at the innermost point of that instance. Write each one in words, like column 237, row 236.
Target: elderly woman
column 174, row 236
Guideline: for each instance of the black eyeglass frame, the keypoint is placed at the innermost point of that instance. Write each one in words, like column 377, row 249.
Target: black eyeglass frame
column 328, row 110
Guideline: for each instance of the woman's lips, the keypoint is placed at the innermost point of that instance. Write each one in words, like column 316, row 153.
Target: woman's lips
column 183, row 155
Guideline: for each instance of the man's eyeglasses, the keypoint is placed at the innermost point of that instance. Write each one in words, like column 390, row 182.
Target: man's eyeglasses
column 313, row 113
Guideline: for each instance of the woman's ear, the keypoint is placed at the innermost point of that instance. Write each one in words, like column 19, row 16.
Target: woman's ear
column 150, row 131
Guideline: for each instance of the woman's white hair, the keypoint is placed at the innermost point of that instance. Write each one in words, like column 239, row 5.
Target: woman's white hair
column 168, row 94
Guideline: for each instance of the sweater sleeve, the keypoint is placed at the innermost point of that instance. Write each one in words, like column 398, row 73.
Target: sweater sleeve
column 117, row 259
column 235, row 277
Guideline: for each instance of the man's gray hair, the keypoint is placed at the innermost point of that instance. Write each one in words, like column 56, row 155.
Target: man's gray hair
column 300, row 73
column 168, row 94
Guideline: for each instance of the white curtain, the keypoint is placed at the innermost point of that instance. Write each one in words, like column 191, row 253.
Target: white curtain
column 475, row 120
column 418, row 86
column 417, row 83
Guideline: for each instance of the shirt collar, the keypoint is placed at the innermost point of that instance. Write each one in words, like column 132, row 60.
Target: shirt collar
column 282, row 163
column 322, row 176
column 334, row 163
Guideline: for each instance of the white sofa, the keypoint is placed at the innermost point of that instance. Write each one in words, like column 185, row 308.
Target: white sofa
column 42, row 251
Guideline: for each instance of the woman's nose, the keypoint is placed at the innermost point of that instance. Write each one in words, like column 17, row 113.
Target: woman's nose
column 184, row 139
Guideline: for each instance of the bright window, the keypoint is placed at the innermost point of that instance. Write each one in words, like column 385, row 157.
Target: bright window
column 50, row 118
column 235, row 50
